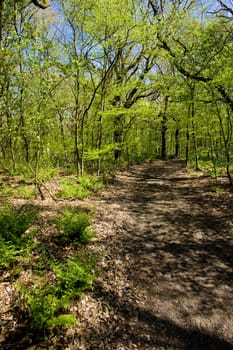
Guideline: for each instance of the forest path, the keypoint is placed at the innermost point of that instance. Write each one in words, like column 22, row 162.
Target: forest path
column 166, row 280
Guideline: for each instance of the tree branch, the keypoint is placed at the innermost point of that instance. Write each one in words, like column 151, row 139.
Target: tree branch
column 43, row 4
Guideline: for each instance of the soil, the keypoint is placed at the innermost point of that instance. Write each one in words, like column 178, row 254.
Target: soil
column 165, row 280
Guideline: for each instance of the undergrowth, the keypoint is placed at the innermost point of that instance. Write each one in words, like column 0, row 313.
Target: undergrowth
column 20, row 191
column 47, row 300
column 75, row 225
column 15, row 233
column 48, row 304
column 79, row 188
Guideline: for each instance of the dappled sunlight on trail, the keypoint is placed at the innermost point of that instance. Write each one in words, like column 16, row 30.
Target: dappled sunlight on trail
column 170, row 245
column 165, row 276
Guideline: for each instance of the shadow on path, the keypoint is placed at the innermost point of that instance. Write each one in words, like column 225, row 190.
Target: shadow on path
column 174, row 248
column 153, row 332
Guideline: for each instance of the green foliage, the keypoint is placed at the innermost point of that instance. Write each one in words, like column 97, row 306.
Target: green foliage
column 26, row 192
column 64, row 320
column 74, row 277
column 21, row 191
column 8, row 167
column 15, row 237
column 10, row 252
column 14, row 222
column 47, row 173
column 216, row 172
column 43, row 305
column 48, row 304
column 90, row 183
column 215, row 189
column 71, row 188
column 75, row 225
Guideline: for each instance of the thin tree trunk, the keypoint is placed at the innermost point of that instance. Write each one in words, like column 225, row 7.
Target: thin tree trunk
column 177, row 144
column 63, row 136
column 187, row 145
column 192, row 115
column 226, row 139
column 164, row 130
column 76, row 149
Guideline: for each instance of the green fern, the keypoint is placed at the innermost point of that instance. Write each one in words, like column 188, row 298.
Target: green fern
column 48, row 304
column 14, row 222
column 75, row 225
column 74, row 277
column 15, row 236
column 65, row 320
column 43, row 305
column 80, row 188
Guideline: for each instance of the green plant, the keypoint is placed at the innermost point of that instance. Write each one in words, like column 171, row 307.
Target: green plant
column 71, row 189
column 25, row 192
column 15, row 236
column 64, row 320
column 215, row 189
column 43, row 306
column 47, row 173
column 90, row 183
column 80, row 188
column 21, row 191
column 9, row 253
column 48, row 304
column 74, row 277
column 14, row 222
column 75, row 225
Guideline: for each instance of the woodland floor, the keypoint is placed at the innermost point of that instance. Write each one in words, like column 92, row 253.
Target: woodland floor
column 166, row 277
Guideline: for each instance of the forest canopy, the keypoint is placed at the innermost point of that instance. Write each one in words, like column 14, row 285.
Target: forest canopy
column 89, row 86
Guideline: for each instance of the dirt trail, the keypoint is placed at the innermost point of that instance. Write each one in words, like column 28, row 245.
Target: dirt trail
column 166, row 281
column 166, row 278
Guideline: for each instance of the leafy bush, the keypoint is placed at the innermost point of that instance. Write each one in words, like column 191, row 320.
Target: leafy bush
column 25, row 192
column 44, row 305
column 47, row 173
column 75, row 225
column 90, row 183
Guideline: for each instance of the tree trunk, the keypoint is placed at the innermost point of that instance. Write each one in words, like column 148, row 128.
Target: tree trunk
column 177, row 145
column 187, row 145
column 164, row 130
